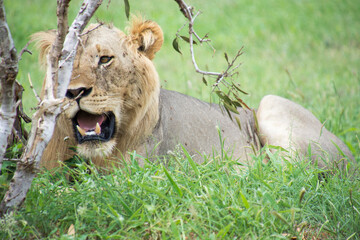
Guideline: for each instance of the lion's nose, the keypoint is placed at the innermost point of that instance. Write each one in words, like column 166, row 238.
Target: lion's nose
column 78, row 93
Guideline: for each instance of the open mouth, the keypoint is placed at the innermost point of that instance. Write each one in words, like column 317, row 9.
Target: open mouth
column 92, row 127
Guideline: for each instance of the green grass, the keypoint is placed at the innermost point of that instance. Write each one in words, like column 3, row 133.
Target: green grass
column 307, row 51
column 208, row 201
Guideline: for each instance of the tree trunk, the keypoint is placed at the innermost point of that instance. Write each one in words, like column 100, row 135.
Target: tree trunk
column 8, row 72
column 45, row 118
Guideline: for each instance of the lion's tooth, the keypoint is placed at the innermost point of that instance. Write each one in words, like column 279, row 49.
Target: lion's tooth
column 97, row 129
column 81, row 131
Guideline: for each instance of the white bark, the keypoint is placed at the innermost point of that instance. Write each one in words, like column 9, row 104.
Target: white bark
column 45, row 118
column 8, row 72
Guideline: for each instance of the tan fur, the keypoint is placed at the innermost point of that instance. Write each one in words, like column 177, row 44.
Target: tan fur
column 131, row 93
column 152, row 120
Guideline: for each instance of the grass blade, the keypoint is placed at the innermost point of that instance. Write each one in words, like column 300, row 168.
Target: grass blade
column 151, row 190
column 245, row 201
column 191, row 162
column 173, row 183
column 222, row 233
column 279, row 216
column 126, row 207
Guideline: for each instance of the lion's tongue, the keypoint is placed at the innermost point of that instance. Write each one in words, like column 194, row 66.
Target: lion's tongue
column 87, row 121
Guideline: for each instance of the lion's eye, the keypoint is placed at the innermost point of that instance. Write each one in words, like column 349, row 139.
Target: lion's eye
column 105, row 59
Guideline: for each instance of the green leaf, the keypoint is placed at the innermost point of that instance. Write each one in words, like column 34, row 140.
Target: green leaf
column 204, row 81
column 226, row 57
column 242, row 103
column 186, row 39
column 239, row 89
column 127, row 9
column 230, row 107
column 228, row 112
column 256, row 121
column 173, row 183
column 227, row 100
column 176, row 45
column 236, row 103
column 220, row 94
column 238, row 122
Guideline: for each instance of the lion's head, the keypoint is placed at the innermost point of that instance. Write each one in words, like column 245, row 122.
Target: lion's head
column 113, row 92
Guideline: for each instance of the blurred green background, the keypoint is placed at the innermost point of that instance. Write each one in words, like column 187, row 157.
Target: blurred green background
column 305, row 50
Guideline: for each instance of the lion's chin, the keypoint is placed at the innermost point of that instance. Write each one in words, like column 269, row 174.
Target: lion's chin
column 96, row 149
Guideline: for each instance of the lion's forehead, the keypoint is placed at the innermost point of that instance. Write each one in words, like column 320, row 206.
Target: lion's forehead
column 103, row 40
column 103, row 33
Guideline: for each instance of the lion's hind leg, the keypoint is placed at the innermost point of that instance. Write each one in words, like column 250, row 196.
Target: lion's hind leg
column 288, row 125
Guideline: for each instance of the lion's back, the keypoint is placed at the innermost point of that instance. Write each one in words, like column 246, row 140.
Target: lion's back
column 193, row 123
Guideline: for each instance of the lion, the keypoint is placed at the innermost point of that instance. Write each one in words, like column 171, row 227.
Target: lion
column 116, row 106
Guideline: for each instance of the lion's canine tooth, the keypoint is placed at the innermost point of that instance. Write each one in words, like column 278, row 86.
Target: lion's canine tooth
column 81, row 131
column 97, row 129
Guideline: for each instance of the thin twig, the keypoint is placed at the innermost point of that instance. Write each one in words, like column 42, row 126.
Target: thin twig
column 188, row 13
column 25, row 49
column 203, row 39
column 90, row 30
column 230, row 68
column 227, row 101
column 33, row 89
column 18, row 91
column 12, row 159
column 179, row 30
column 107, row 6
column 191, row 32
column 184, row 9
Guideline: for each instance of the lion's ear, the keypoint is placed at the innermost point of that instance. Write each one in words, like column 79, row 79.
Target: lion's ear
column 43, row 41
column 147, row 35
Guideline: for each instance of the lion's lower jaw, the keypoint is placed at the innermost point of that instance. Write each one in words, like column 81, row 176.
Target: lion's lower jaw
column 94, row 150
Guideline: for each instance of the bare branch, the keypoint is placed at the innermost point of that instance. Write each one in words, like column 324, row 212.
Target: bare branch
column 90, row 30
column 188, row 13
column 12, row 159
column 230, row 69
column 34, row 91
column 57, row 79
column 184, row 9
column 55, row 53
column 25, row 49
column 229, row 101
